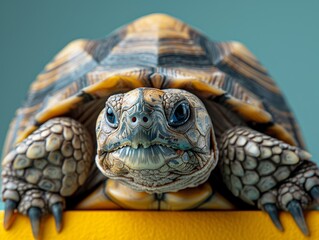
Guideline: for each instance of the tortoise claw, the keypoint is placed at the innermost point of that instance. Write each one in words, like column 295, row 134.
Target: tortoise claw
column 9, row 218
column 34, row 214
column 272, row 211
column 56, row 210
column 314, row 192
column 295, row 209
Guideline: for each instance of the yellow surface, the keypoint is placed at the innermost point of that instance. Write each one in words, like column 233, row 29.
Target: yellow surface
column 133, row 225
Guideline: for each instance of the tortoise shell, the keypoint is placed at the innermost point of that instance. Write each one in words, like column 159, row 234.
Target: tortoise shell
column 161, row 52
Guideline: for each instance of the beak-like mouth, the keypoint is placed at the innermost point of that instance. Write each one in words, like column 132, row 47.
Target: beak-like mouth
column 141, row 145
column 156, row 167
column 143, row 156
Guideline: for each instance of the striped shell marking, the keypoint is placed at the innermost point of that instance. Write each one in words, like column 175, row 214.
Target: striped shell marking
column 162, row 52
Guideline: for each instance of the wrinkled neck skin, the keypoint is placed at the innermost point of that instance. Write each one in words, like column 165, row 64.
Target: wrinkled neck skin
column 156, row 140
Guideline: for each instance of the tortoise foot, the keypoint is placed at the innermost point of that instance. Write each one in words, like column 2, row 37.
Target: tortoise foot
column 50, row 164
column 294, row 195
column 269, row 173
column 33, row 202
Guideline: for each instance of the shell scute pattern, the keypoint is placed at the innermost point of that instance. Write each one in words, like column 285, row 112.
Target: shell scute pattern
column 66, row 81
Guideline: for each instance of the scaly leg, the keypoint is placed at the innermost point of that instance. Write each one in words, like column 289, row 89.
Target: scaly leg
column 50, row 164
column 269, row 173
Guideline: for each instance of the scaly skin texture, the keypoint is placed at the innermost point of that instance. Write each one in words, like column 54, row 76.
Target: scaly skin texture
column 269, row 173
column 155, row 141
column 49, row 165
column 147, row 153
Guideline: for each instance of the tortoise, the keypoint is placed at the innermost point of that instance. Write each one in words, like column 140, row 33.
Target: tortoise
column 173, row 121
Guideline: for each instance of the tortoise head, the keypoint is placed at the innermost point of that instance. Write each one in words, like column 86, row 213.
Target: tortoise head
column 156, row 140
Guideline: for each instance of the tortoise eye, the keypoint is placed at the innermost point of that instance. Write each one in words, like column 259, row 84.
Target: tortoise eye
column 111, row 118
column 180, row 114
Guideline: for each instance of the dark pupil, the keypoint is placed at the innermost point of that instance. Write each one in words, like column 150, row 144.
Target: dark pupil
column 181, row 113
column 110, row 115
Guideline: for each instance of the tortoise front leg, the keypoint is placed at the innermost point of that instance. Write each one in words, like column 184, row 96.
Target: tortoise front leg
column 269, row 173
column 49, row 165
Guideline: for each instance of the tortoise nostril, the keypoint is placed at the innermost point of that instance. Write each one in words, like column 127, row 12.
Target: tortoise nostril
column 140, row 119
column 145, row 119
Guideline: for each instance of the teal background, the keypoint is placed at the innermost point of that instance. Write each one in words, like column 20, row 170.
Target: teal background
column 284, row 36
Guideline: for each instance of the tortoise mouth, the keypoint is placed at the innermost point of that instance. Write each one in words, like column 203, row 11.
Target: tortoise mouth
column 144, row 158
column 156, row 168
